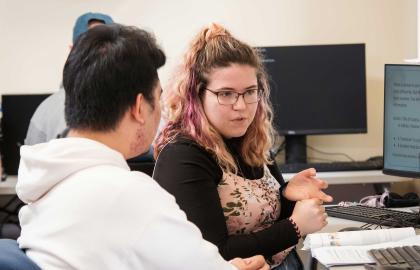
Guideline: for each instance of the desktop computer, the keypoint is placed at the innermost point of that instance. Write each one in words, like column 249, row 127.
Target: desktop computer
column 401, row 144
column 402, row 120
column 17, row 111
column 316, row 89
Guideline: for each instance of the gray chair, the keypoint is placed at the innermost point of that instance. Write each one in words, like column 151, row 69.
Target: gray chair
column 13, row 258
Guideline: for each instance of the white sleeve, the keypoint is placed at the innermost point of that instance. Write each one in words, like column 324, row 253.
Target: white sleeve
column 175, row 243
column 167, row 240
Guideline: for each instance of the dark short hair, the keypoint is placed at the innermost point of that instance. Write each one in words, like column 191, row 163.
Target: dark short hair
column 107, row 68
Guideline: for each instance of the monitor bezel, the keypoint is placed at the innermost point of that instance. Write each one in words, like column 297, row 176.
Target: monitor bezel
column 386, row 171
column 329, row 130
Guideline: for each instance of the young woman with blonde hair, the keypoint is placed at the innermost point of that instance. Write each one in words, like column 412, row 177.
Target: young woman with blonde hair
column 213, row 155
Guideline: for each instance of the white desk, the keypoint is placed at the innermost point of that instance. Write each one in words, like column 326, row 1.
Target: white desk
column 335, row 224
column 8, row 187
column 350, row 177
column 354, row 177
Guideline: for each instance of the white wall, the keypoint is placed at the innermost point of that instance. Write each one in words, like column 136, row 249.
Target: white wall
column 35, row 36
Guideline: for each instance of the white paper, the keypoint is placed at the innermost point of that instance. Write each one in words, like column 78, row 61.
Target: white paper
column 329, row 256
column 356, row 238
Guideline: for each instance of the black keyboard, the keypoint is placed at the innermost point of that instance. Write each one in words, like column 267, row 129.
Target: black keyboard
column 406, row 257
column 375, row 215
column 376, row 164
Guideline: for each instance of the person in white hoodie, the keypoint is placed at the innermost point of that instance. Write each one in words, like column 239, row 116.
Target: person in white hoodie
column 85, row 208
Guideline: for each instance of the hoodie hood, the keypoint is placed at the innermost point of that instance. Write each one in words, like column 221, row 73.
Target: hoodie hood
column 43, row 166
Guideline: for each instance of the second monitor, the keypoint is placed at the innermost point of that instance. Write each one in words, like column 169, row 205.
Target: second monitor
column 316, row 89
column 17, row 113
column 402, row 120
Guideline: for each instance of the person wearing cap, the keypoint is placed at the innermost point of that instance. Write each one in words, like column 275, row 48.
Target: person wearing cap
column 48, row 122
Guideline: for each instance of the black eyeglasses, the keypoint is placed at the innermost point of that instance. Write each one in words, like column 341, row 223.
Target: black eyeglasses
column 231, row 97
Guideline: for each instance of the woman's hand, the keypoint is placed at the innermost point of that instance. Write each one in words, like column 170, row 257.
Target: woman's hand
column 305, row 186
column 309, row 216
column 253, row 263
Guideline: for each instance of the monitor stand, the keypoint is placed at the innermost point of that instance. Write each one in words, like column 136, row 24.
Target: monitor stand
column 295, row 148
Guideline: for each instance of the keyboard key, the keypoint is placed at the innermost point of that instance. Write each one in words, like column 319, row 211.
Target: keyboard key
column 388, row 256
column 404, row 254
column 395, row 254
column 379, row 257
column 413, row 253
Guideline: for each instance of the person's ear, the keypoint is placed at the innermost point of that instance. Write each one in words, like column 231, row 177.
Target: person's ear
column 138, row 110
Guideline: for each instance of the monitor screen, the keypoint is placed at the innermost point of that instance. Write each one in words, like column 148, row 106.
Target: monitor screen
column 17, row 113
column 402, row 120
column 317, row 89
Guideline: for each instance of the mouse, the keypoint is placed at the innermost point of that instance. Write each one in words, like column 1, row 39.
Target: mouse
column 349, row 229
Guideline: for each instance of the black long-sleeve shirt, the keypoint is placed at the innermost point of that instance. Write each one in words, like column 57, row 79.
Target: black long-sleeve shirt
column 191, row 174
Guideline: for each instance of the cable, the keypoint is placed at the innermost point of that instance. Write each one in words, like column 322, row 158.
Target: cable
column 329, row 153
column 320, row 159
column 275, row 150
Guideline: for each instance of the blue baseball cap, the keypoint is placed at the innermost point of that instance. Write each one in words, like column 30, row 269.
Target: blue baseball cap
column 82, row 23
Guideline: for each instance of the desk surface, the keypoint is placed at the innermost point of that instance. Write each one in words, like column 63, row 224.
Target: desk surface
column 8, row 187
column 355, row 177
column 349, row 177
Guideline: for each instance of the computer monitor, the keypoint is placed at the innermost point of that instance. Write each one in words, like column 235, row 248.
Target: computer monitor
column 17, row 113
column 316, row 89
column 402, row 120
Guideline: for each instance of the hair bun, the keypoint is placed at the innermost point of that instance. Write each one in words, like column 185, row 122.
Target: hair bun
column 214, row 30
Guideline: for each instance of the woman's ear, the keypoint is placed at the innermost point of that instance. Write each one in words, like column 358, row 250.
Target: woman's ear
column 138, row 110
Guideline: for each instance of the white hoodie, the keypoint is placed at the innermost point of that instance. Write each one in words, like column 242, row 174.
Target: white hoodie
column 87, row 210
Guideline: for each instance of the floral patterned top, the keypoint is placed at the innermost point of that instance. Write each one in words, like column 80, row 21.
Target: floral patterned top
column 193, row 176
column 251, row 205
